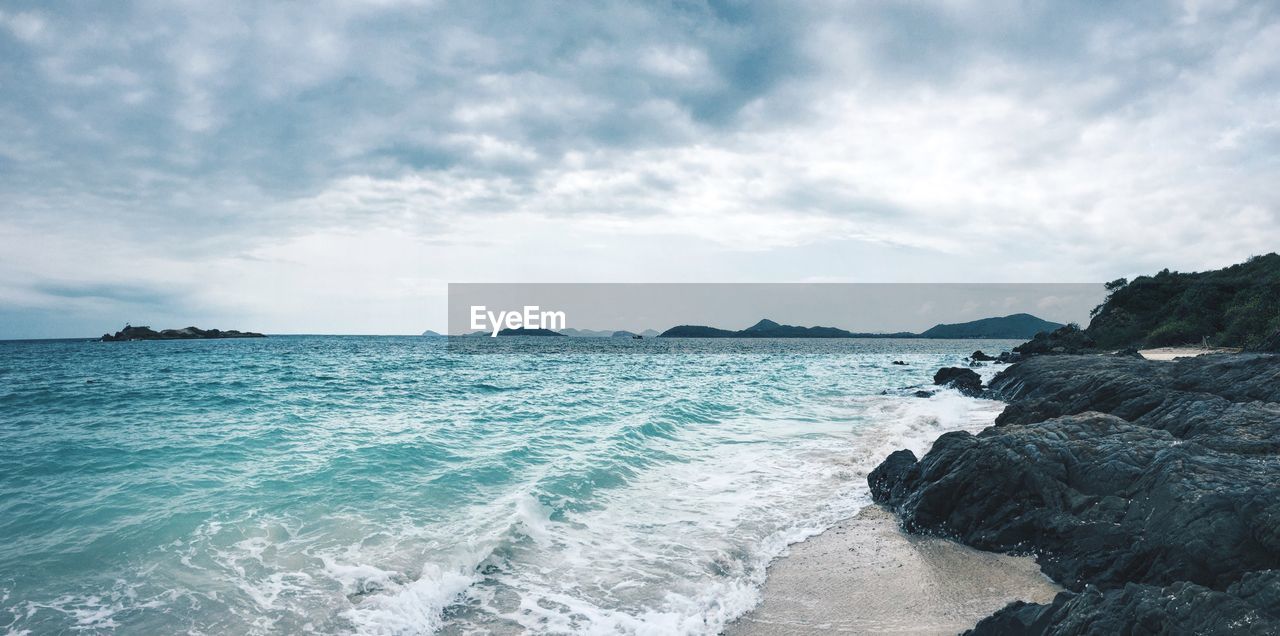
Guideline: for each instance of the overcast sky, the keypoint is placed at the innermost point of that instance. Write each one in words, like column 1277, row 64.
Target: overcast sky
column 327, row 168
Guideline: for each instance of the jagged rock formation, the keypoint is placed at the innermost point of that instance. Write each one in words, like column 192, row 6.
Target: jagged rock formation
column 1250, row 606
column 1068, row 339
column 1151, row 490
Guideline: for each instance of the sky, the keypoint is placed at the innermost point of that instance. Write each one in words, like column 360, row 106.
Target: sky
column 317, row 167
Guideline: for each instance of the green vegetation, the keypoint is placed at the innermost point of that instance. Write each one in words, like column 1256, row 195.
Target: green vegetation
column 1238, row 306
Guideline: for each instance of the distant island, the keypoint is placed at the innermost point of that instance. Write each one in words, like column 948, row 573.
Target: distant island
column 586, row 333
column 190, row 333
column 647, row 333
column 530, row 332
column 572, row 333
column 1015, row 326
column 603, row 333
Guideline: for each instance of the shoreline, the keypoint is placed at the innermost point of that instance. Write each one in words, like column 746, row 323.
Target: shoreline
column 1166, row 354
column 1086, row 468
column 865, row 575
column 1146, row 488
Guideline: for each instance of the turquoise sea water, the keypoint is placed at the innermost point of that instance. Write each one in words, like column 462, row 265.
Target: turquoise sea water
column 389, row 485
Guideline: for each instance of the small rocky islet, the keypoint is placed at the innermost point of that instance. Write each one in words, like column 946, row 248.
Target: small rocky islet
column 190, row 333
column 1149, row 490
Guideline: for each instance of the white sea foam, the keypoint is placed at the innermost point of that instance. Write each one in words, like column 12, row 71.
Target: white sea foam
column 413, row 608
column 636, row 499
column 681, row 550
column 685, row 549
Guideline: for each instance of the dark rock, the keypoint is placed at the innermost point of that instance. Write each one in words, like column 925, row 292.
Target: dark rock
column 1069, row 339
column 1008, row 357
column 1250, row 606
column 1157, row 483
column 966, row 381
column 899, row 362
column 1270, row 343
column 1129, row 352
column 1101, row 501
column 889, row 473
column 190, row 333
column 1151, row 393
column 924, row 394
column 979, row 356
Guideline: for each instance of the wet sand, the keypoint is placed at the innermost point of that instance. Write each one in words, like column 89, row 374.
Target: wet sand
column 866, row 576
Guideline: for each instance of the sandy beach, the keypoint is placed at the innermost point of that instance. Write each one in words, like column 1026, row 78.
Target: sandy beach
column 866, row 576
column 1171, row 353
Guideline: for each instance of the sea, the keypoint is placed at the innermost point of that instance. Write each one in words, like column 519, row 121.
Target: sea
column 406, row 485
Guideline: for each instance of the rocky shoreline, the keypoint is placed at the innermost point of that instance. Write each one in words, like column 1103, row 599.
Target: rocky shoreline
column 1149, row 490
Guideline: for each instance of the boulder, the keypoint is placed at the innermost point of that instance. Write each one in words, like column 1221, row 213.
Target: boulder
column 1150, row 490
column 890, row 472
column 1101, row 500
column 1270, row 343
column 967, row 381
column 1070, row 339
column 1249, row 606
column 979, row 356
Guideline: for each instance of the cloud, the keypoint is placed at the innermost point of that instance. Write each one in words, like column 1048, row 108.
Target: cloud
column 167, row 143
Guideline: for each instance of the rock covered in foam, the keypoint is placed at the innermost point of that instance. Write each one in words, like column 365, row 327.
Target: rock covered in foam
column 967, row 381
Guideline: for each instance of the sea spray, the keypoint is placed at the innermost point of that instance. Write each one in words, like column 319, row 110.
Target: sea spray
column 384, row 485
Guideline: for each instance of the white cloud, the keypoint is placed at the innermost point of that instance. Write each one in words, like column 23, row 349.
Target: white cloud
column 26, row 26
column 380, row 143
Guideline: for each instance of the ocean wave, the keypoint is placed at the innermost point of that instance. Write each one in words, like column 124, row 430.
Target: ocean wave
column 408, row 491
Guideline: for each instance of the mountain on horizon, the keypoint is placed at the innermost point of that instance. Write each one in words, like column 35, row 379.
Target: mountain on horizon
column 605, row 333
column 763, row 325
column 586, row 333
column 769, row 329
column 526, row 331
column 1012, row 327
